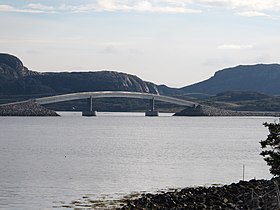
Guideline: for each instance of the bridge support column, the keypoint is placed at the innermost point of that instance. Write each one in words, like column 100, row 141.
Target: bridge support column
column 89, row 112
column 152, row 112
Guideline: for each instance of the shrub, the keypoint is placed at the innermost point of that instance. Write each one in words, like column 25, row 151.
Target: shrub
column 271, row 148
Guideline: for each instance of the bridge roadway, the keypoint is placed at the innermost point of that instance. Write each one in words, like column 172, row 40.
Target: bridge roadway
column 114, row 94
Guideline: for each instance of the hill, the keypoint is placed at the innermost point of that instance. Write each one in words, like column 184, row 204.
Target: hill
column 262, row 78
column 15, row 79
column 12, row 68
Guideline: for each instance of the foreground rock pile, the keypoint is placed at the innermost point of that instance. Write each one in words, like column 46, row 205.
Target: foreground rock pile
column 27, row 108
column 255, row 194
column 202, row 110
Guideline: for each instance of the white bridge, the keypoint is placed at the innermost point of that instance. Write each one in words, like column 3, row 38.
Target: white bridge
column 114, row 94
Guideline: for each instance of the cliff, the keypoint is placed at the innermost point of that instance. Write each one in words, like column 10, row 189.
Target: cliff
column 12, row 68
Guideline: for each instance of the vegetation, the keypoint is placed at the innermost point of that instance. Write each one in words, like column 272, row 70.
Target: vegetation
column 271, row 148
column 243, row 101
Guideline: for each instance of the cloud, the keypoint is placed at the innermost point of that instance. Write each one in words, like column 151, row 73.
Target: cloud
column 235, row 47
column 142, row 6
column 103, row 5
column 254, row 5
column 40, row 7
column 109, row 50
column 8, row 8
column 252, row 14
column 248, row 8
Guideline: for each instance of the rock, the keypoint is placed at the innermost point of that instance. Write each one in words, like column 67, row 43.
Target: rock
column 203, row 110
column 27, row 108
column 11, row 67
column 236, row 196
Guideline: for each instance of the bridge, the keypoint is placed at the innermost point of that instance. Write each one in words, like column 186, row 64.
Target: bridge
column 114, row 94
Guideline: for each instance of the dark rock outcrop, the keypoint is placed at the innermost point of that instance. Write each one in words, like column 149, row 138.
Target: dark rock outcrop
column 202, row 110
column 254, row 194
column 27, row 108
column 262, row 78
column 205, row 111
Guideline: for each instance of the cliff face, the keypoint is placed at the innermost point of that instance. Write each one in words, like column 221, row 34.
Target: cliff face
column 11, row 67
column 263, row 78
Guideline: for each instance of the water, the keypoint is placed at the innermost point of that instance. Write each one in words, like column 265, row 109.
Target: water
column 46, row 161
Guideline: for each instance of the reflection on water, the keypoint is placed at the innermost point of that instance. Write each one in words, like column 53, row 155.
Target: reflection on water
column 47, row 161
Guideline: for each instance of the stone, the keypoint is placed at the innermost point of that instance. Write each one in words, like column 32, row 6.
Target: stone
column 28, row 108
column 228, row 197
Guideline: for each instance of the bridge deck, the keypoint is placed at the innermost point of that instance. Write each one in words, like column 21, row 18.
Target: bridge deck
column 113, row 94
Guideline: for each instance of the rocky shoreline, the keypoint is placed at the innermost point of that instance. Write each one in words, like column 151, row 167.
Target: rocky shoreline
column 27, row 108
column 202, row 110
column 245, row 195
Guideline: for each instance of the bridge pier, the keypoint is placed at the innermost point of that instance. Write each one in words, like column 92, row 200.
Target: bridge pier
column 152, row 112
column 89, row 112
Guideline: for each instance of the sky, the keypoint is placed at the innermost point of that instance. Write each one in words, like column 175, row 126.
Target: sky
column 172, row 42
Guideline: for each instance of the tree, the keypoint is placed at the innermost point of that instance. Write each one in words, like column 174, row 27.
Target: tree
column 271, row 148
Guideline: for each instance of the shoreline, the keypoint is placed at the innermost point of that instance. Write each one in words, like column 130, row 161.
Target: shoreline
column 243, row 195
column 203, row 110
column 253, row 194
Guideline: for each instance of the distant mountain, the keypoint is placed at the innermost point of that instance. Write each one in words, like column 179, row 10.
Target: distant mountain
column 262, row 78
column 15, row 79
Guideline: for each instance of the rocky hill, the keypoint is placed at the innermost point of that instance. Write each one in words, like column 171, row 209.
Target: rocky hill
column 15, row 79
column 12, row 68
column 262, row 78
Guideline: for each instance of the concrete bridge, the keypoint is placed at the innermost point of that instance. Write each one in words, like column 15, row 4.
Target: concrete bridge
column 114, row 94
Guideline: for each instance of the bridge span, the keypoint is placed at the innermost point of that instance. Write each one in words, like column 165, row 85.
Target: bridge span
column 114, row 94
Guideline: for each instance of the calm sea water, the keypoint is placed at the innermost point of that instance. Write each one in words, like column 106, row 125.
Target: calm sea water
column 46, row 160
